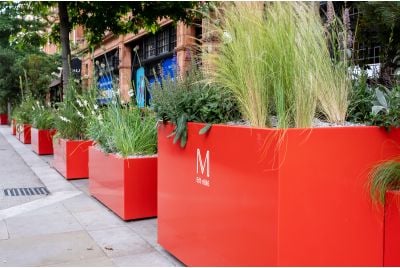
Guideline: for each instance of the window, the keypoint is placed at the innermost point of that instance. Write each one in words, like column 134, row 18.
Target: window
column 150, row 47
column 163, row 42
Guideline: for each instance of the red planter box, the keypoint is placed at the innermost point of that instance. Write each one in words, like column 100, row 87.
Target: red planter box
column 24, row 133
column 392, row 229
column 3, row 119
column 71, row 158
column 42, row 140
column 128, row 186
column 13, row 127
column 241, row 196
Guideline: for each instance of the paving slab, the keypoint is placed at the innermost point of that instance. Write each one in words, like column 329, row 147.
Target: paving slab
column 50, row 249
column 96, row 262
column 147, row 259
column 174, row 261
column 83, row 203
column 97, row 220
column 146, row 228
column 120, row 241
column 82, row 184
column 47, row 220
column 3, row 230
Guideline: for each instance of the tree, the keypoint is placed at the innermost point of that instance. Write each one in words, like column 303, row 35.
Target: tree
column 20, row 35
column 19, row 31
column 35, row 70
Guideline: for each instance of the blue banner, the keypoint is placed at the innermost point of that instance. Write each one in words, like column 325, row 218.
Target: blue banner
column 105, row 86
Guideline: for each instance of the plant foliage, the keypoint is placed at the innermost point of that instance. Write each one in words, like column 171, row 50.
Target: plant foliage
column 23, row 114
column 189, row 99
column 386, row 107
column 384, row 177
column 361, row 96
column 73, row 114
column 42, row 116
column 275, row 59
column 124, row 130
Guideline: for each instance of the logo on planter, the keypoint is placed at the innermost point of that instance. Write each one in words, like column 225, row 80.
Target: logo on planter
column 203, row 168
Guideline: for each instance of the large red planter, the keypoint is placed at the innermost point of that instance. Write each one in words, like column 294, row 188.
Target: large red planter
column 71, row 158
column 128, row 186
column 42, row 140
column 13, row 127
column 241, row 196
column 392, row 229
column 3, row 119
column 24, row 133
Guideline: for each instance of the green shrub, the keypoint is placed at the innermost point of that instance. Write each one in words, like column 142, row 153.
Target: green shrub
column 386, row 107
column 189, row 99
column 124, row 130
column 73, row 113
column 42, row 116
column 361, row 98
column 23, row 114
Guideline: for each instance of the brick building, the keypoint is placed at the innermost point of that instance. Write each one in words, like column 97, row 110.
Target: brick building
column 129, row 57
column 126, row 55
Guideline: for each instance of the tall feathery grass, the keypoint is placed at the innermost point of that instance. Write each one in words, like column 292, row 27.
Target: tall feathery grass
column 238, row 63
column 274, row 57
column 335, row 83
column 384, row 177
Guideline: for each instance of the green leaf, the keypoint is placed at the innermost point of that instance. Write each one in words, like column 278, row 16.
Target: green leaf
column 184, row 139
column 205, row 129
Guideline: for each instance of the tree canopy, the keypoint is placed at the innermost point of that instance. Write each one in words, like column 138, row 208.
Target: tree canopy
column 21, row 37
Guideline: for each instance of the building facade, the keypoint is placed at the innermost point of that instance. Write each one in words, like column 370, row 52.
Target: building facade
column 124, row 61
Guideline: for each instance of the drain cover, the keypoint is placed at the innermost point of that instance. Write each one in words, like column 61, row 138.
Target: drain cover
column 26, row 191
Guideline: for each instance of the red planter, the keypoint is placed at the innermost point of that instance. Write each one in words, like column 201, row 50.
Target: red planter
column 42, row 140
column 3, row 119
column 241, row 196
column 392, row 229
column 71, row 158
column 128, row 186
column 13, row 127
column 23, row 133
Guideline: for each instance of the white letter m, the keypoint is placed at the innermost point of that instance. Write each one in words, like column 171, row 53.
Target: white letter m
column 202, row 164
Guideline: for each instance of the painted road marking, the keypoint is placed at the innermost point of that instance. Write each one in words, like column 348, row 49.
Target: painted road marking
column 36, row 204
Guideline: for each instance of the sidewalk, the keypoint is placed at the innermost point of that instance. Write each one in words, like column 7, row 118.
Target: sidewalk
column 66, row 227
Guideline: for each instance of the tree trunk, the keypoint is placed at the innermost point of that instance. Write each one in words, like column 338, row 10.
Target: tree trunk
column 64, row 37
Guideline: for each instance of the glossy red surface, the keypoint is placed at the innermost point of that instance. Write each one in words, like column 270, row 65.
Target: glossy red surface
column 128, row 186
column 42, row 141
column 295, row 200
column 71, row 158
column 3, row 119
column 392, row 229
column 24, row 133
column 13, row 127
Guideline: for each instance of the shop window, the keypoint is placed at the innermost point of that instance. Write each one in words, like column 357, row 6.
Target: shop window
column 163, row 42
column 150, row 47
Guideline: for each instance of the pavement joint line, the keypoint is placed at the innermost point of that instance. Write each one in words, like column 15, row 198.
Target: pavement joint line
column 52, row 180
column 36, row 204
